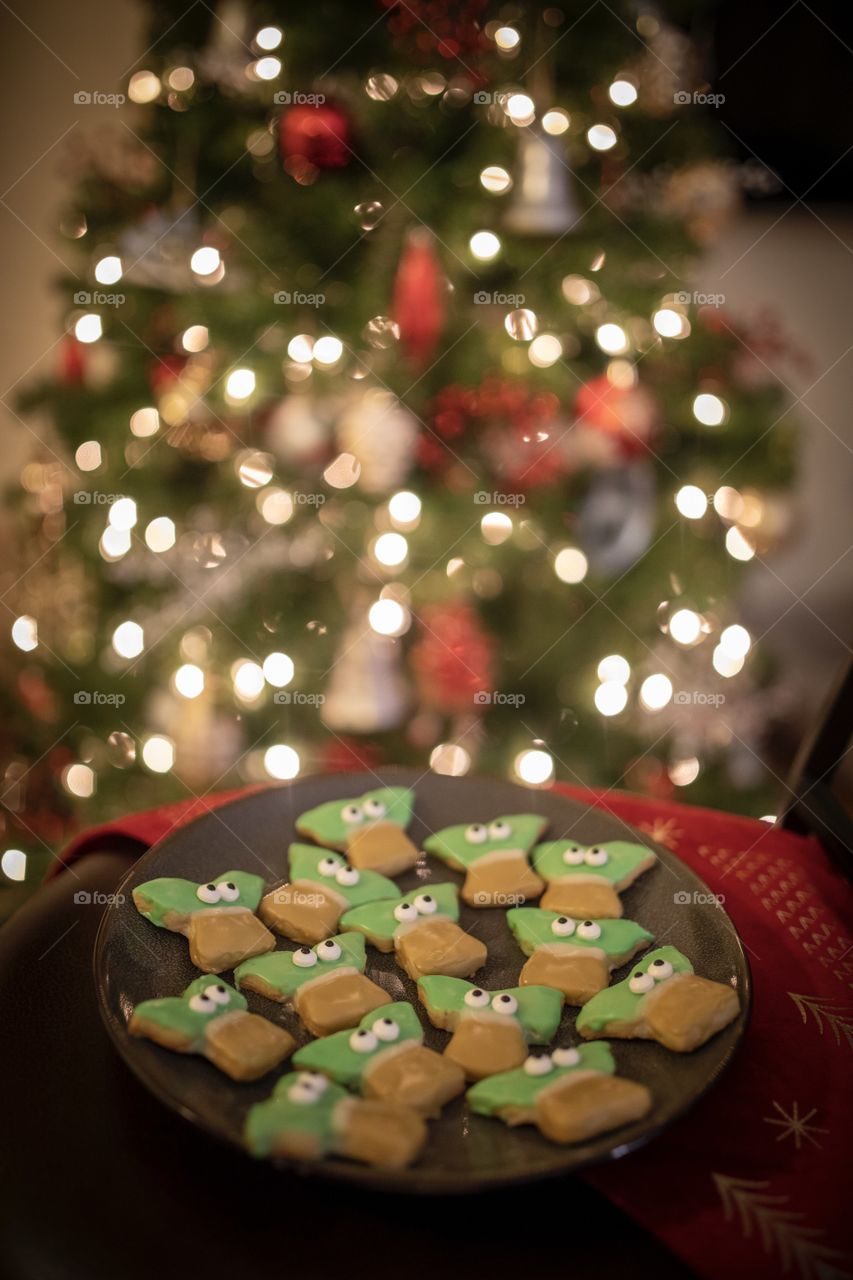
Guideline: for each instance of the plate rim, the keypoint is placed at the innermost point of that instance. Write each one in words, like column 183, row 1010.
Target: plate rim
column 412, row 1180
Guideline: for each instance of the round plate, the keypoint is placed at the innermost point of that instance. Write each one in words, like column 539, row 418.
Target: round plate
column 135, row 961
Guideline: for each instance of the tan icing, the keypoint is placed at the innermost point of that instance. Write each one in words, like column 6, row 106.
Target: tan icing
column 483, row 1046
column 583, row 898
column 337, row 1000
column 439, row 946
column 414, row 1077
column 686, row 1010
column 382, row 847
column 222, row 939
column 246, row 1046
column 378, row 1133
column 577, row 973
column 503, row 878
column 587, row 1103
column 304, row 911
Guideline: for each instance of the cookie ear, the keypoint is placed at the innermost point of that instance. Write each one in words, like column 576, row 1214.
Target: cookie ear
column 444, row 994
column 157, row 899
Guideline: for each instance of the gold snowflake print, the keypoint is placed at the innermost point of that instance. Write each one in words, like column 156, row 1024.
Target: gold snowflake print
column 794, row 1125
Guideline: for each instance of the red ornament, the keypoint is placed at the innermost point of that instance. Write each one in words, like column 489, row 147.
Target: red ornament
column 419, row 296
column 164, row 371
column 453, row 659
column 72, row 362
column 342, row 755
column 314, row 135
column 628, row 415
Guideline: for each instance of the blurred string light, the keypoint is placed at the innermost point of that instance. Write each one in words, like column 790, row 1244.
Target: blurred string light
column 269, row 38
column 612, row 339
column 685, row 627
column 691, row 502
column 128, row 639
column 327, row 351
column 189, row 680
column 556, row 121
column 709, row 409
column 390, row 549
column 114, row 543
column 181, row 79
column 495, row 180
column 534, row 766
column 267, row 68
column 248, row 680
column 570, row 565
column 89, row 455
column 79, row 780
column 123, row 513
column 404, row 509
column 158, row 753
column 278, row 670
column 601, row 137
column 108, row 270
column 160, row 534
column 301, row 348
column 622, row 92
column 143, row 87
column 25, row 633
column 484, row 245
column 507, row 39
column 579, row 291
column 545, row 350
column 145, row 422
column 239, row 385
column 611, row 697
column 496, row 527
column 655, row 691
column 735, row 641
column 449, row 759
column 254, row 469
column 728, row 503
column 14, row 864
column 195, row 338
column 275, row 505
column 88, row 328
column 670, row 324
column 281, row 761
column 614, row 667
column 388, row 617
column 683, row 772
column 206, row 261
column 738, row 547
column 520, row 108
column 726, row 664
column 521, row 324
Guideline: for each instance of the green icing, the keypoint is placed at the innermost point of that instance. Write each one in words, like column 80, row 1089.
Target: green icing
column 518, row 1089
column 168, row 894
column 335, row 1057
column 378, row 920
column 278, row 969
column 454, row 848
column 305, row 860
column 281, row 1114
column 623, row 858
column 531, row 928
column 326, row 823
column 174, row 1013
column 538, row 1012
column 619, row 1003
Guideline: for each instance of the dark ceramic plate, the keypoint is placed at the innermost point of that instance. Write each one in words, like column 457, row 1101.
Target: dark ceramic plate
column 135, row 961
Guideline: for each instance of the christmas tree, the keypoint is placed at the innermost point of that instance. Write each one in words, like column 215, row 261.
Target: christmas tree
column 389, row 426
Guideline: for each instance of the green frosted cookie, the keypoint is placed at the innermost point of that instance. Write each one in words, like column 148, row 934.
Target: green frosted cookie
column 212, row 1019
column 494, row 858
column 512, row 1095
column 217, row 917
column 321, row 887
column 348, row 1055
column 420, row 927
column 370, row 828
column 662, row 999
column 573, row 956
column 585, row 881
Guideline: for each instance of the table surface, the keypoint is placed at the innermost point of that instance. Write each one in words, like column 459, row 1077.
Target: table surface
column 98, row 1175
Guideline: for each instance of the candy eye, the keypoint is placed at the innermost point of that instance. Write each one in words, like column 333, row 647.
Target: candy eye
column 386, row 1029
column 229, row 891
column 564, row 927
column 426, row 904
column 202, row 1003
column 208, row 893
column 351, row 813
column 363, row 1041
column 328, row 867
column 304, row 958
column 640, row 982
column 405, row 912
column 589, row 930
column 308, row 1087
column 565, row 1057
column 500, row 830
column 660, row 969
column 537, row 1066
column 574, row 855
column 347, row 876
column 596, row 856
column 476, row 833
column 375, row 809
column 476, row 999
column 218, row 994
column 505, row 1003
column 329, row 950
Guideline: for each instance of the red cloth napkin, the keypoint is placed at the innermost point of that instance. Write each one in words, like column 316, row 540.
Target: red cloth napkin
column 751, row 1183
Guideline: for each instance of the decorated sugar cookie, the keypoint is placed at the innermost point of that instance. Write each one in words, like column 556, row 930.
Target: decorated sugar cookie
column 662, row 999
column 325, row 984
column 491, row 1029
column 574, row 956
column 385, row 1058
column 322, row 886
column 421, row 927
column 218, row 918
column 212, row 1019
column 493, row 856
column 571, row 1095
column 585, row 881
column 307, row 1117
column 370, row 829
